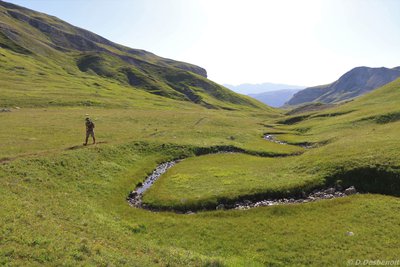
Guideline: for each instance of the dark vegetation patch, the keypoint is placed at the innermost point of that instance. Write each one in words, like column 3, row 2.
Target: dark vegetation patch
column 271, row 126
column 7, row 43
column 293, row 120
column 90, row 103
column 199, row 151
column 191, row 95
column 309, row 145
column 310, row 107
column 302, row 130
column 333, row 114
column 296, row 119
column 224, row 108
column 134, row 79
column 95, row 63
column 383, row 119
column 369, row 179
column 389, row 117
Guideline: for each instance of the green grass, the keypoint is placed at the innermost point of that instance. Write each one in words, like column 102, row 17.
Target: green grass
column 37, row 130
column 75, row 204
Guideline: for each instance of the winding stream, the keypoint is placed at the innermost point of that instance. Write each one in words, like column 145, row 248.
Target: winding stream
column 135, row 197
column 272, row 138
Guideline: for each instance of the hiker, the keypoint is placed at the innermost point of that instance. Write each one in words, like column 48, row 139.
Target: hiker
column 89, row 130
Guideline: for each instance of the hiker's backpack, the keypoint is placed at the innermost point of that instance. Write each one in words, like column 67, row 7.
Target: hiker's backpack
column 90, row 124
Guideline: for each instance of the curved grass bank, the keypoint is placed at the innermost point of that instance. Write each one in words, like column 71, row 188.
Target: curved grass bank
column 205, row 181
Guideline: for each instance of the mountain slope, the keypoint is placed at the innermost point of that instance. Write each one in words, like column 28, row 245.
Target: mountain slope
column 275, row 98
column 42, row 40
column 356, row 82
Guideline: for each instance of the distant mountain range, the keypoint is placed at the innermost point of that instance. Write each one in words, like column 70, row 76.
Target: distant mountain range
column 356, row 82
column 272, row 94
column 249, row 88
column 275, row 98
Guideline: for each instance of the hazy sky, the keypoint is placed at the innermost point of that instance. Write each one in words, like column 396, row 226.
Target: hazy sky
column 301, row 42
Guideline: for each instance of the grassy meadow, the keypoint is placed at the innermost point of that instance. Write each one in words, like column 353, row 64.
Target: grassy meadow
column 70, row 209
column 67, row 207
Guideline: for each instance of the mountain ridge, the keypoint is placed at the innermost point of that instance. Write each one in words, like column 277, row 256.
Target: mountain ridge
column 356, row 82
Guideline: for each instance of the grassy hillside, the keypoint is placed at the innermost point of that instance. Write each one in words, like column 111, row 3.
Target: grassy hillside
column 38, row 45
column 63, row 204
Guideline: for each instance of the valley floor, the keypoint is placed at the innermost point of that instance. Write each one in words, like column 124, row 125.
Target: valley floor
column 68, row 207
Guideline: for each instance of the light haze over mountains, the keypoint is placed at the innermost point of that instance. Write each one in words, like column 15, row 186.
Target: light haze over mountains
column 272, row 94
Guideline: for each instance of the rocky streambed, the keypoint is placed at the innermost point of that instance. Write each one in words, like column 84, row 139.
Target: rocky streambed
column 135, row 197
column 318, row 194
column 272, row 138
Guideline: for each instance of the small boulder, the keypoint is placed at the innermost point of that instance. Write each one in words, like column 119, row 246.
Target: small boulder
column 132, row 194
column 349, row 233
column 330, row 190
column 350, row 191
column 247, row 202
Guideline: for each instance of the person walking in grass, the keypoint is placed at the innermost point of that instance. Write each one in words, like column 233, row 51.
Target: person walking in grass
column 89, row 130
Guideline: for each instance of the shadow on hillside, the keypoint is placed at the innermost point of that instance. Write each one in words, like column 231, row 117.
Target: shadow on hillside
column 369, row 180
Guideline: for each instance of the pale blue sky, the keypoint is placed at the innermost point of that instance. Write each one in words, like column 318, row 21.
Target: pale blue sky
column 302, row 42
